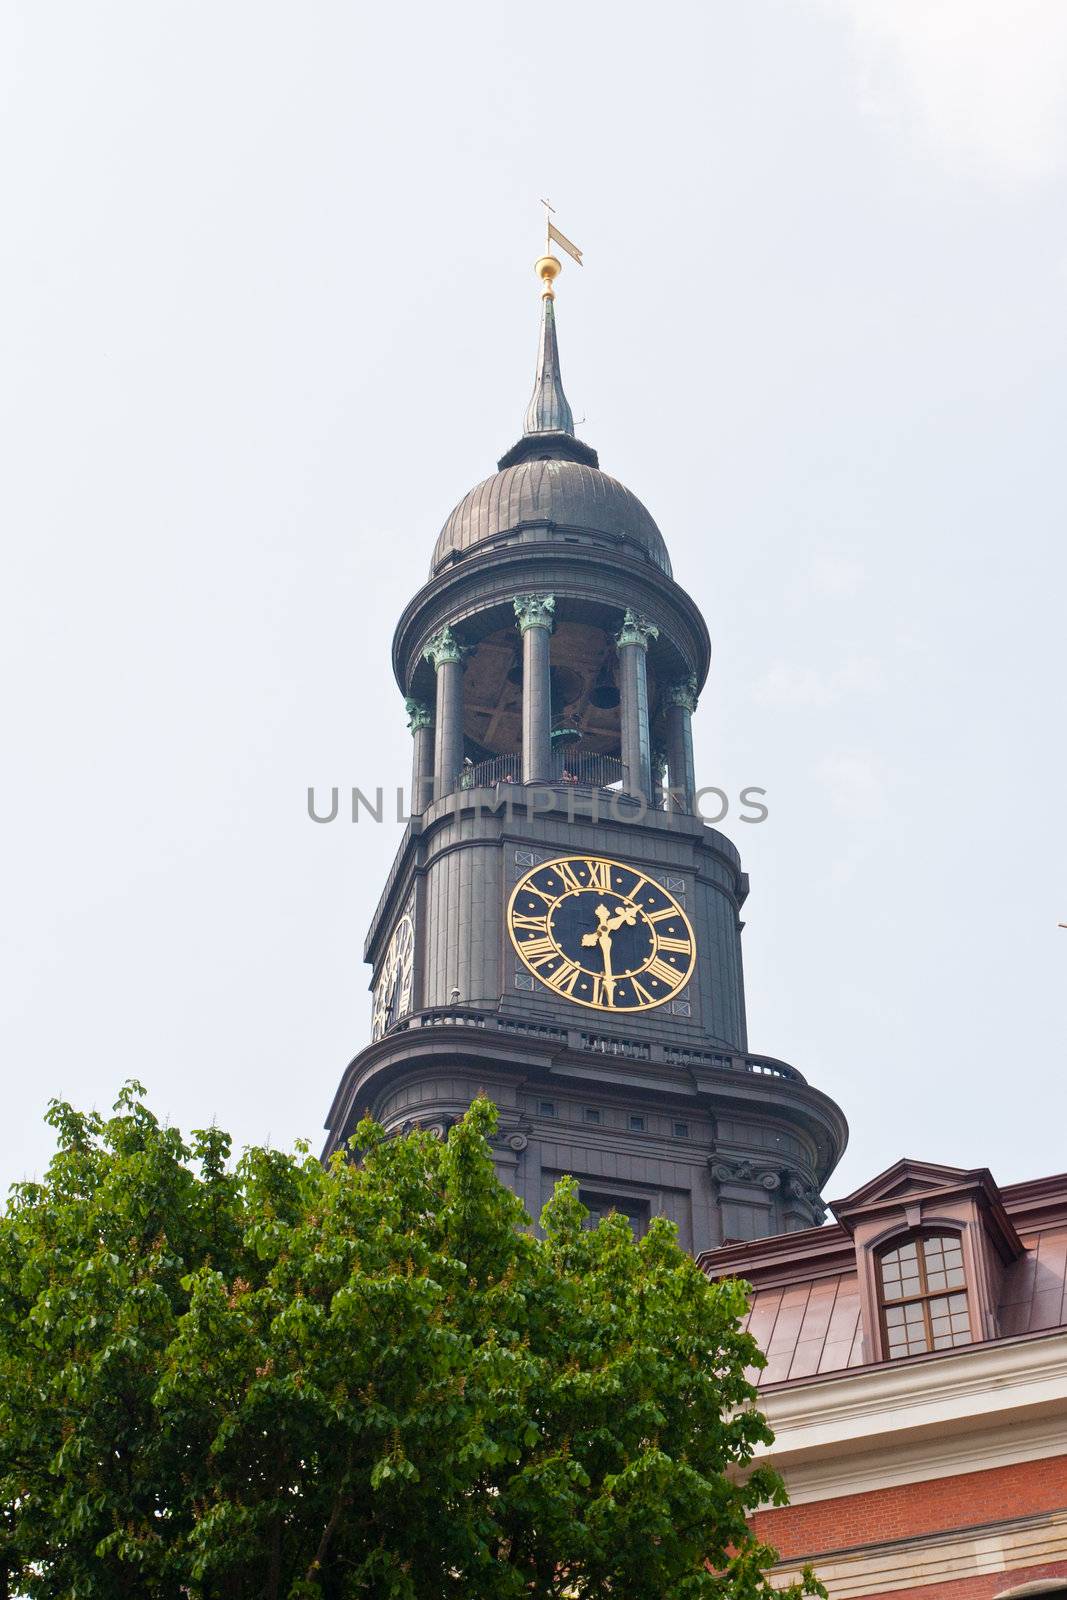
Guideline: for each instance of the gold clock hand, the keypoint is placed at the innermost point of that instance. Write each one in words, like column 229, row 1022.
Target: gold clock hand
column 604, row 938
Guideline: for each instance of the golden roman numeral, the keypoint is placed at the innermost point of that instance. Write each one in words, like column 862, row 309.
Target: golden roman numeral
column 642, row 993
column 663, row 971
column 570, row 878
column 599, row 875
column 538, row 951
column 564, row 978
column 530, row 888
column 661, row 916
column 537, row 924
column 682, row 946
column 604, row 992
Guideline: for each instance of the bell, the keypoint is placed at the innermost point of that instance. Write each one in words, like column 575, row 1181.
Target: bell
column 605, row 695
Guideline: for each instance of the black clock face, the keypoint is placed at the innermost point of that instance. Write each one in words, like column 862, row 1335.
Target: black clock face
column 601, row 934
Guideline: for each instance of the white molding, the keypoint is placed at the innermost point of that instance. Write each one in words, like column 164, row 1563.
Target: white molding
column 982, row 1406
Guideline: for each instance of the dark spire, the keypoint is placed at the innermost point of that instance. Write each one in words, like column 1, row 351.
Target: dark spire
column 548, row 411
column 548, row 432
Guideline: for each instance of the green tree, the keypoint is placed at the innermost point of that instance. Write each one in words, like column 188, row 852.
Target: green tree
column 267, row 1379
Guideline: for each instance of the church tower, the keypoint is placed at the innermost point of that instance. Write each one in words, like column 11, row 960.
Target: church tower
column 560, row 929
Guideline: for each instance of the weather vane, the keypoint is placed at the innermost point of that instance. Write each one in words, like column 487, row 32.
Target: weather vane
column 549, row 267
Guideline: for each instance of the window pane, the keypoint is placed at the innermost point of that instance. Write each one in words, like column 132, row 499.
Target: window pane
column 919, row 1312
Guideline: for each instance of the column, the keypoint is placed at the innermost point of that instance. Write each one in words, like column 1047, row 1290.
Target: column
column 420, row 723
column 446, row 653
column 632, row 641
column 533, row 613
column 681, row 703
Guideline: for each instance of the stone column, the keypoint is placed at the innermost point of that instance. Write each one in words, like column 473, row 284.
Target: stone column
column 632, row 641
column 446, row 653
column 533, row 614
column 681, row 703
column 420, row 722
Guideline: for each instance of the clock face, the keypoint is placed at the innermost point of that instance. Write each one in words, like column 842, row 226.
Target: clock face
column 392, row 992
column 601, row 934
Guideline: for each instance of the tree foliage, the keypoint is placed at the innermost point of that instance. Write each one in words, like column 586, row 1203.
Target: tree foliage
column 266, row 1379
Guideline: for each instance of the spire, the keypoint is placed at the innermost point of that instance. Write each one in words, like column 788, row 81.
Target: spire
column 548, row 430
column 548, row 411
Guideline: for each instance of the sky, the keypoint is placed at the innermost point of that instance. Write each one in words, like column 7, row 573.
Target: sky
column 267, row 312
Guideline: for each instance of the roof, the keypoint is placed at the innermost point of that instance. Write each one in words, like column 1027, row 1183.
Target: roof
column 549, row 479
column 567, row 495
column 805, row 1309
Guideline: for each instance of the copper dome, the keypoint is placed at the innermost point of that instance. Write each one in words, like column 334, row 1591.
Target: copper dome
column 570, row 495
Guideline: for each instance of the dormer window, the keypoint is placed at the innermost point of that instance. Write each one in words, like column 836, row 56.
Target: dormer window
column 923, row 1294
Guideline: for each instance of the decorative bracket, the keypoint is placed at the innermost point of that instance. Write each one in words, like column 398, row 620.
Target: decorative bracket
column 745, row 1171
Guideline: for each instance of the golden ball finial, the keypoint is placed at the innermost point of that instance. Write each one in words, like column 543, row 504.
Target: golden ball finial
column 548, row 269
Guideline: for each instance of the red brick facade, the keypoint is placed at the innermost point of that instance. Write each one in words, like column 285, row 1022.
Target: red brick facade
column 907, row 1510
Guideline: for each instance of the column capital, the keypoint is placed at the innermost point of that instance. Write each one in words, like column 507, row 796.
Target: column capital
column 419, row 715
column 636, row 630
column 683, row 694
column 658, row 763
column 534, row 611
column 442, row 648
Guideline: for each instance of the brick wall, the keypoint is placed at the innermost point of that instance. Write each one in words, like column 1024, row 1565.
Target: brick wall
column 982, row 1587
column 907, row 1510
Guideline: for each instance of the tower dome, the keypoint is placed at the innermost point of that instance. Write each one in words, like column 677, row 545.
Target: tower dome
column 550, row 482
column 551, row 492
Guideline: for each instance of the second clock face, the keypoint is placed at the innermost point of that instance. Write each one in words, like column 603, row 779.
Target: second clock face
column 601, row 934
column 392, row 993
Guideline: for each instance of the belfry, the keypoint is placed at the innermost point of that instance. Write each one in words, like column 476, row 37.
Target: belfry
column 560, row 929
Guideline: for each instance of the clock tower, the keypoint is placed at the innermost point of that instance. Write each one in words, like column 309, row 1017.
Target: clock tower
column 560, row 929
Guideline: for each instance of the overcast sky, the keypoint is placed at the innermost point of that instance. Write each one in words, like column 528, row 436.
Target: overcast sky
column 267, row 312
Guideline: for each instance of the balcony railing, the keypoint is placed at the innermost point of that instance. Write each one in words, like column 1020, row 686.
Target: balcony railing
column 585, row 769
column 461, row 1016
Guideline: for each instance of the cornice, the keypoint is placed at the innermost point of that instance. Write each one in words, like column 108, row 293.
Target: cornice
column 495, row 575
column 784, row 1258
column 1037, row 1203
column 472, row 1036
column 998, row 1382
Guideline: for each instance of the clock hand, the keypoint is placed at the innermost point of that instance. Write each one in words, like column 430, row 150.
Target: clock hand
column 627, row 914
column 604, row 939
